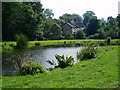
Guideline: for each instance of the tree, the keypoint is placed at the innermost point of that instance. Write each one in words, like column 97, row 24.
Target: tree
column 56, row 31
column 87, row 17
column 92, row 26
column 118, row 20
column 68, row 35
column 72, row 17
column 80, row 34
column 112, row 28
column 21, row 17
column 37, row 7
column 10, row 13
column 102, row 34
column 77, row 19
column 49, row 14
column 47, row 29
column 109, row 18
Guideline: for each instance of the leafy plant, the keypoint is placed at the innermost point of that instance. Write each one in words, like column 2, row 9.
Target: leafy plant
column 88, row 52
column 31, row 68
column 64, row 61
column 21, row 41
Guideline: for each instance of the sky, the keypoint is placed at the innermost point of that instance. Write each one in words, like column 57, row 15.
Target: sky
column 102, row 8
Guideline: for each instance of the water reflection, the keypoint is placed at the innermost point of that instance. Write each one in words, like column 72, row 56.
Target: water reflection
column 39, row 55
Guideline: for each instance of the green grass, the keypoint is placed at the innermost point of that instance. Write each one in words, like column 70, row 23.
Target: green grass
column 100, row 72
column 51, row 42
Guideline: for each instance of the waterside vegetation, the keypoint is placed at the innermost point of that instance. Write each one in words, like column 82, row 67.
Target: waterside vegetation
column 99, row 72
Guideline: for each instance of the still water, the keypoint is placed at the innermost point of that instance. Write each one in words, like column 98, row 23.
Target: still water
column 39, row 55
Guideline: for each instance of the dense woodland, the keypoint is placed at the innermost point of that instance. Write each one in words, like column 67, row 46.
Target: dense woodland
column 37, row 23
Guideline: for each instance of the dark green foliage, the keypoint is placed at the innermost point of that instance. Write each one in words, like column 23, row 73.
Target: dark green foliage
column 52, row 30
column 92, row 26
column 68, row 35
column 112, row 28
column 87, row 17
column 72, row 17
column 102, row 34
column 37, row 44
column 118, row 20
column 88, row 52
column 56, row 31
column 10, row 13
column 80, row 34
column 49, row 14
column 108, row 39
column 28, row 18
column 64, row 61
column 21, row 17
column 21, row 41
column 31, row 68
column 4, row 44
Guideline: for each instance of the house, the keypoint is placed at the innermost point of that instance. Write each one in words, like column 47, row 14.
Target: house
column 71, row 27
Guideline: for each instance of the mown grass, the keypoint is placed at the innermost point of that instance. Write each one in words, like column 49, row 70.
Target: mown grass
column 52, row 42
column 100, row 72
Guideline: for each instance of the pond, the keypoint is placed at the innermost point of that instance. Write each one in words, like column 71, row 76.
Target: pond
column 40, row 55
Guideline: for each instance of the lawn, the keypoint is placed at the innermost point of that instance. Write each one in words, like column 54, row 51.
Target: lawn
column 100, row 72
column 52, row 42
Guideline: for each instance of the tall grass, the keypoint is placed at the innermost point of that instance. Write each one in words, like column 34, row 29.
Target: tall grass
column 21, row 41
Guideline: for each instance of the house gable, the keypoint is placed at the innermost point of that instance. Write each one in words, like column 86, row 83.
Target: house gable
column 68, row 27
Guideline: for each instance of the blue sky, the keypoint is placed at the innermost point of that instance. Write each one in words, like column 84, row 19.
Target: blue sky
column 102, row 8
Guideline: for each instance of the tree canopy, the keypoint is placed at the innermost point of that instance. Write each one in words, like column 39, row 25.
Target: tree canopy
column 30, row 19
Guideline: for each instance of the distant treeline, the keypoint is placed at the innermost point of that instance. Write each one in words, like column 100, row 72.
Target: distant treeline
column 30, row 19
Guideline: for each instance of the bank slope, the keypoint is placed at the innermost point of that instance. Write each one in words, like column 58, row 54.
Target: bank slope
column 100, row 72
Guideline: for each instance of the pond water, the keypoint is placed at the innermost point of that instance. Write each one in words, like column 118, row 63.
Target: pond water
column 39, row 55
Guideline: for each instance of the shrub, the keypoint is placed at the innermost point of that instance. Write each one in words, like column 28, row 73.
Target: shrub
column 31, row 68
column 37, row 44
column 88, row 52
column 64, row 61
column 80, row 34
column 21, row 41
column 68, row 35
column 64, row 42
column 108, row 39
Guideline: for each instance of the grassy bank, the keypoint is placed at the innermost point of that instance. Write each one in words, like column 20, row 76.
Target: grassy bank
column 54, row 42
column 100, row 72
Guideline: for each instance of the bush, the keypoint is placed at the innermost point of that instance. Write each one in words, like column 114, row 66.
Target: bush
column 21, row 41
column 80, row 34
column 88, row 52
column 37, row 44
column 64, row 62
column 68, row 35
column 108, row 39
column 31, row 68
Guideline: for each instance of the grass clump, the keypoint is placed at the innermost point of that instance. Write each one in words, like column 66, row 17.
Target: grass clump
column 31, row 68
column 88, row 52
column 64, row 61
column 21, row 41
